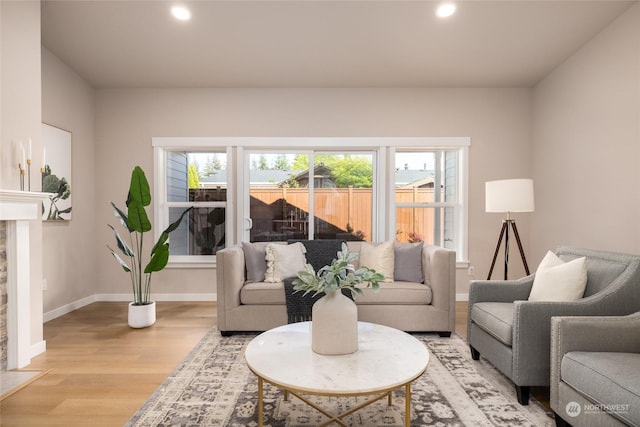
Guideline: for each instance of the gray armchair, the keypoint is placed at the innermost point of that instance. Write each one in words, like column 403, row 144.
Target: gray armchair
column 514, row 334
column 595, row 370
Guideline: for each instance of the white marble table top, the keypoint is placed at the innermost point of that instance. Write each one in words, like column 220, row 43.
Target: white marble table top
column 386, row 359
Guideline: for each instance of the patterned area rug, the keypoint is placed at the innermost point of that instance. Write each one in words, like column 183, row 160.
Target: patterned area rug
column 214, row 387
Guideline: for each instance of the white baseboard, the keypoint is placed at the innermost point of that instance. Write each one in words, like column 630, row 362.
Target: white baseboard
column 462, row 297
column 38, row 348
column 68, row 308
column 159, row 297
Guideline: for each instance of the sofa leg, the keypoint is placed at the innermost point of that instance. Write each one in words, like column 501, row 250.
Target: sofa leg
column 560, row 422
column 523, row 394
column 444, row 334
column 226, row 333
column 475, row 354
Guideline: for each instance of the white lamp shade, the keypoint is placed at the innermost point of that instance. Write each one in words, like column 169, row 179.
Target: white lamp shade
column 509, row 195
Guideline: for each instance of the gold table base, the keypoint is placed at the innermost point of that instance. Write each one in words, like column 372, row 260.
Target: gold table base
column 380, row 394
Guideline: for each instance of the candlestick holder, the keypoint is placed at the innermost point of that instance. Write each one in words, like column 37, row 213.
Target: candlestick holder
column 21, row 171
column 29, row 174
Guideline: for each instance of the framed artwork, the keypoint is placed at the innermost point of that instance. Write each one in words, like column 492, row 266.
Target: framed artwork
column 56, row 173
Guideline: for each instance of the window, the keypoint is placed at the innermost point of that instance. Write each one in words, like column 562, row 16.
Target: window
column 371, row 189
column 426, row 196
column 194, row 179
column 310, row 195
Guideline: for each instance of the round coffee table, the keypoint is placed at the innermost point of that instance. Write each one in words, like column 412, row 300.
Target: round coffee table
column 387, row 359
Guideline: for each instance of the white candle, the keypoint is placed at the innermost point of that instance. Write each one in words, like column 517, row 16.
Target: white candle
column 21, row 155
column 30, row 157
column 44, row 157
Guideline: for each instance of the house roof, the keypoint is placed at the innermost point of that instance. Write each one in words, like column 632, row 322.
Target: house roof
column 273, row 176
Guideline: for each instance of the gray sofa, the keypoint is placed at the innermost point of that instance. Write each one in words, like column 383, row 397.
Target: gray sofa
column 514, row 334
column 595, row 370
column 408, row 306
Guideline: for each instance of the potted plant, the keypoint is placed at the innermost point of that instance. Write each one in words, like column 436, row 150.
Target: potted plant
column 142, row 309
column 334, row 317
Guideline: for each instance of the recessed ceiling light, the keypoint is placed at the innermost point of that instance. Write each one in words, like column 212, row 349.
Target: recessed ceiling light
column 445, row 10
column 181, row 13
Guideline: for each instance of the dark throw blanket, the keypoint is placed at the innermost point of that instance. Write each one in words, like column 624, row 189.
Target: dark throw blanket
column 319, row 253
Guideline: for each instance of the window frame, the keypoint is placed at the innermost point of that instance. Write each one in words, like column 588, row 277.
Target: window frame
column 383, row 221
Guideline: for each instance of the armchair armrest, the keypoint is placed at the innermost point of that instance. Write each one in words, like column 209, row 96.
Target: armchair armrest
column 499, row 290
column 590, row 333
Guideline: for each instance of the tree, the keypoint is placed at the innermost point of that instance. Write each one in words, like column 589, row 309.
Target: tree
column 213, row 165
column 346, row 170
column 194, row 178
column 356, row 172
column 281, row 163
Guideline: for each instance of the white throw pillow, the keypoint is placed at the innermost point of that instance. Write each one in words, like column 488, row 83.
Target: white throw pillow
column 284, row 261
column 379, row 258
column 557, row 280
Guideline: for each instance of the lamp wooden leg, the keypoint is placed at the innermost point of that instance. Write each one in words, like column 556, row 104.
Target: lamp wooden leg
column 524, row 260
column 495, row 254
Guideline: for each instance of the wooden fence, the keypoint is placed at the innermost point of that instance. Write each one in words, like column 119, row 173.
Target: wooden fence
column 342, row 208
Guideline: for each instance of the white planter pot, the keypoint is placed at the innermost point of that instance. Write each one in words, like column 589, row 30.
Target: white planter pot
column 334, row 325
column 142, row 316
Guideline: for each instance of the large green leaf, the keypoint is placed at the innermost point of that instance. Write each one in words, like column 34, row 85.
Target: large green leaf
column 122, row 217
column 124, row 265
column 122, row 245
column 139, row 188
column 159, row 259
column 165, row 234
column 137, row 217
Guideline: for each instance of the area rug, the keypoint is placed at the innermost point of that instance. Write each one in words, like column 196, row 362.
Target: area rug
column 214, row 387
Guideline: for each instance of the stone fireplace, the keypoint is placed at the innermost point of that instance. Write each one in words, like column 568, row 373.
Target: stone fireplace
column 17, row 210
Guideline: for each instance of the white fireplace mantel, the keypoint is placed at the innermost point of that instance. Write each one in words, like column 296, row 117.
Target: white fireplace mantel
column 18, row 208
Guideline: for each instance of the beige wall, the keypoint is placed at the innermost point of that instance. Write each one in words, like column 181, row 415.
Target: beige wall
column 497, row 120
column 20, row 120
column 559, row 133
column 586, row 145
column 68, row 102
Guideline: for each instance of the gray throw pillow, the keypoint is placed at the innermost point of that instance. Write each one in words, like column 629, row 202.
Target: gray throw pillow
column 254, row 259
column 408, row 263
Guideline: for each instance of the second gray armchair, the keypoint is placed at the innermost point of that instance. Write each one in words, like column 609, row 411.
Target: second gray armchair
column 514, row 334
column 595, row 370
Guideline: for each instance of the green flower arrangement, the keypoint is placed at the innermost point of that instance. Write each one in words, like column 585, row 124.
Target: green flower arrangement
column 337, row 276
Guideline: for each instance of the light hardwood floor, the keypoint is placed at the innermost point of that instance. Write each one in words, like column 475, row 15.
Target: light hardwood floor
column 101, row 371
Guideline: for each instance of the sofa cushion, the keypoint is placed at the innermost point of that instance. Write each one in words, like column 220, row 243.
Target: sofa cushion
column 495, row 318
column 284, row 261
column 378, row 257
column 556, row 280
column 262, row 293
column 408, row 293
column 608, row 379
column 390, row 293
column 408, row 263
column 254, row 258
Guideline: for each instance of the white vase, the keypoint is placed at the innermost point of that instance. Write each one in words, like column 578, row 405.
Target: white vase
column 334, row 325
column 142, row 316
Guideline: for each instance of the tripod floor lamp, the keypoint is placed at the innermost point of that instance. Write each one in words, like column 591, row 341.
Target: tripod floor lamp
column 509, row 195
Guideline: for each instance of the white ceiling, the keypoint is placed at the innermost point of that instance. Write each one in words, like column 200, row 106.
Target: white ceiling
column 320, row 43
